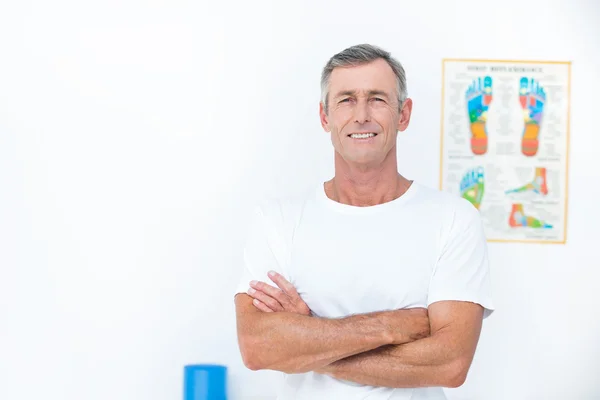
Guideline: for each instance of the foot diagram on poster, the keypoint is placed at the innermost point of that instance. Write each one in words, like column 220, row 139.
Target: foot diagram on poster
column 505, row 141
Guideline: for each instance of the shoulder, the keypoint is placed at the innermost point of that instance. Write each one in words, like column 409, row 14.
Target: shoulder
column 452, row 211
column 445, row 201
column 285, row 210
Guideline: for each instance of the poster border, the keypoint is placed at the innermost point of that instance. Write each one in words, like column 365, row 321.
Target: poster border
column 568, row 137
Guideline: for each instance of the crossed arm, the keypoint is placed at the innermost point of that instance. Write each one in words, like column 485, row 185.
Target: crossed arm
column 442, row 359
column 401, row 348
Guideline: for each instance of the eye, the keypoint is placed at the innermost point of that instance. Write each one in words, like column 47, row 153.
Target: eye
column 378, row 99
column 344, row 100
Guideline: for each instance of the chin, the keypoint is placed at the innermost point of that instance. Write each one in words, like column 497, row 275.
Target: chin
column 364, row 160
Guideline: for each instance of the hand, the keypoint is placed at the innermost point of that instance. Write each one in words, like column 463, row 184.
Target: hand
column 407, row 325
column 284, row 297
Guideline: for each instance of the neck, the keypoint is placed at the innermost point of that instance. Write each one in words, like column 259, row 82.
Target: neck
column 366, row 186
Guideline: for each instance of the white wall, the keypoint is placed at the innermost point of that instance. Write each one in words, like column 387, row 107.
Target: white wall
column 135, row 137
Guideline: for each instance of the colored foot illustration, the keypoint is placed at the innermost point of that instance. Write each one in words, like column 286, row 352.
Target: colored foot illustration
column 519, row 219
column 471, row 186
column 539, row 184
column 532, row 97
column 479, row 97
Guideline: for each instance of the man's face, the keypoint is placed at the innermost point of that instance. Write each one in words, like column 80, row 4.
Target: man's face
column 363, row 100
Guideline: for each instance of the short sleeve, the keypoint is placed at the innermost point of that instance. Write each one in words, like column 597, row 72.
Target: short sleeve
column 264, row 249
column 463, row 272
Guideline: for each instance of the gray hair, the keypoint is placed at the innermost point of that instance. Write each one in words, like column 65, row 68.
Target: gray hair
column 357, row 55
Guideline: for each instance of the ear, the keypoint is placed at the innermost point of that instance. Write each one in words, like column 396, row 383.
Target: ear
column 405, row 115
column 323, row 117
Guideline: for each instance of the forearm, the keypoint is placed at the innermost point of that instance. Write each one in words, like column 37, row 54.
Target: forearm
column 432, row 361
column 296, row 343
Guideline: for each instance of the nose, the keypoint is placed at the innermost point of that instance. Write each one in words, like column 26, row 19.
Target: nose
column 361, row 112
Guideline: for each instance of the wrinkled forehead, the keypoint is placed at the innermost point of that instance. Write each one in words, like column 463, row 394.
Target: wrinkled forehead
column 374, row 77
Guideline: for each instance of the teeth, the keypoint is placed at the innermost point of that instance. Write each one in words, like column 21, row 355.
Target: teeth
column 362, row 135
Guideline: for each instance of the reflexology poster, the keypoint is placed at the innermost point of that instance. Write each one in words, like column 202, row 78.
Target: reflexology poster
column 505, row 145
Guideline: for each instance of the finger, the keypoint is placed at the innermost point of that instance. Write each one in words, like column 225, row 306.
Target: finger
column 270, row 302
column 261, row 306
column 283, row 284
column 270, row 291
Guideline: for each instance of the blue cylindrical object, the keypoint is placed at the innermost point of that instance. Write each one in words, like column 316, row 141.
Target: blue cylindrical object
column 205, row 382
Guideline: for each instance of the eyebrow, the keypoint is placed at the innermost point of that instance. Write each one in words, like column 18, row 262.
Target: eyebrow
column 353, row 93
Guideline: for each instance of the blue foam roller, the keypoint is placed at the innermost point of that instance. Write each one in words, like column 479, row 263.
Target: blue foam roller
column 205, row 382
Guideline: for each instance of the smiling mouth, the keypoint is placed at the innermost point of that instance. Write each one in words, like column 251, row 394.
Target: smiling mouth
column 362, row 135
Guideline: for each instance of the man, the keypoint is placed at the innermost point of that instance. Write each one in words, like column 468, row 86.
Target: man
column 371, row 286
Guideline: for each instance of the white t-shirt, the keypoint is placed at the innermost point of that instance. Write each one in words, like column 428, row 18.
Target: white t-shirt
column 422, row 247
